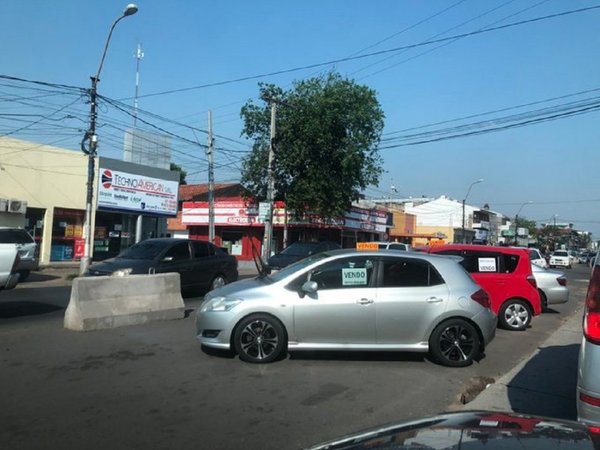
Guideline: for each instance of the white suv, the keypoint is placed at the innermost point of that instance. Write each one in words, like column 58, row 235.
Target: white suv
column 560, row 258
column 26, row 247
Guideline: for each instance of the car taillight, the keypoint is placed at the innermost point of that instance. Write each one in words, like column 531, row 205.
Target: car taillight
column 562, row 280
column 482, row 298
column 594, row 401
column 591, row 318
column 532, row 281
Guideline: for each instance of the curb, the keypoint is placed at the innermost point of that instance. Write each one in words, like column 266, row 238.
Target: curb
column 520, row 381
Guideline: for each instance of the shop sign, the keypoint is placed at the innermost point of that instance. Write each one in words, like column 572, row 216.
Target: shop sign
column 132, row 192
column 79, row 248
column 235, row 212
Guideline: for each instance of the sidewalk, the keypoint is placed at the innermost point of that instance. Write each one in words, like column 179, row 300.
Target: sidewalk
column 543, row 384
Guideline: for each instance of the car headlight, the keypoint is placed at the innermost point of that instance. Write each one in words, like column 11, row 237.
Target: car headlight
column 220, row 304
column 122, row 272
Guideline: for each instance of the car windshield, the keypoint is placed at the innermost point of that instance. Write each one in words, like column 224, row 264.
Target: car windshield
column 15, row 237
column 143, row 250
column 561, row 254
column 299, row 265
column 299, row 248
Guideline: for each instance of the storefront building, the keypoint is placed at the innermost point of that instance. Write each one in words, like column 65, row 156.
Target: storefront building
column 43, row 189
column 239, row 226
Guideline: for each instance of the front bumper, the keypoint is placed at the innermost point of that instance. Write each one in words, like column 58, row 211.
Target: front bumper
column 28, row 264
column 213, row 329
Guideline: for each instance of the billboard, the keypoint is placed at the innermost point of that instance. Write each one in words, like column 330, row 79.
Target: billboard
column 133, row 192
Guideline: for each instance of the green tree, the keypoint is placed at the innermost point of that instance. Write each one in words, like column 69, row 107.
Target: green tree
column 182, row 173
column 327, row 133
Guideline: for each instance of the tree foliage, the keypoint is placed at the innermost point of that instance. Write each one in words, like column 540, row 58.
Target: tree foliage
column 182, row 173
column 327, row 132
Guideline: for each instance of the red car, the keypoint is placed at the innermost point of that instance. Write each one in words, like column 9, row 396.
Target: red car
column 505, row 273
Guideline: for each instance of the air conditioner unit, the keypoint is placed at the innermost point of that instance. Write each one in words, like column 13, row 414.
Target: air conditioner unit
column 3, row 204
column 17, row 206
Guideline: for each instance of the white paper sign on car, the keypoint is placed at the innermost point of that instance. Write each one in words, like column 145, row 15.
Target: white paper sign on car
column 354, row 277
column 487, row 264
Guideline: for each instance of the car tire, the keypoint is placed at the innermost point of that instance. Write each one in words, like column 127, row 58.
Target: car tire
column 259, row 338
column 514, row 315
column 544, row 300
column 454, row 343
column 24, row 274
column 217, row 282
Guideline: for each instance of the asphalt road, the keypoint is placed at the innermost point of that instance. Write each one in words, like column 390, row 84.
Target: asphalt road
column 151, row 386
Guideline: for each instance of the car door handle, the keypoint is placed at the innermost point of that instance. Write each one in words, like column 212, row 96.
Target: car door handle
column 435, row 300
column 364, row 301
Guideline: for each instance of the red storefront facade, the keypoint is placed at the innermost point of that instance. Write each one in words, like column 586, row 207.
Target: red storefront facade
column 239, row 228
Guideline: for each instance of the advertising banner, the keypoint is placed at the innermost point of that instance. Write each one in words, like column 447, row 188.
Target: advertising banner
column 132, row 192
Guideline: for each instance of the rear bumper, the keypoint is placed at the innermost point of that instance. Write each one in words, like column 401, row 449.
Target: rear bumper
column 487, row 322
column 556, row 295
column 588, row 382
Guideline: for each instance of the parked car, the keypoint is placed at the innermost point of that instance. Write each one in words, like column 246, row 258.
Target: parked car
column 9, row 261
column 552, row 286
column 588, row 381
column 584, row 257
column 200, row 264
column 298, row 250
column 473, row 430
column 352, row 300
column 26, row 246
column 535, row 256
column 506, row 274
column 560, row 258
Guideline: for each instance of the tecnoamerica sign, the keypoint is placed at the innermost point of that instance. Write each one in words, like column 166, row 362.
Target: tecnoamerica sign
column 134, row 192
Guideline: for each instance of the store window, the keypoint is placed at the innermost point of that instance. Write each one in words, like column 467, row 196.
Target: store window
column 67, row 229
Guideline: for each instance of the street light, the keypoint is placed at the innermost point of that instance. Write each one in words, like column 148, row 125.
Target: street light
column 517, row 221
column 464, row 238
column 92, row 140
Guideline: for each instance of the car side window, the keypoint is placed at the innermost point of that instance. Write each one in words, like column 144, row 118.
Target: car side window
column 179, row 252
column 201, row 249
column 346, row 273
column 400, row 272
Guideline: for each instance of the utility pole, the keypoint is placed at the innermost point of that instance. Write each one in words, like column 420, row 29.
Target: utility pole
column 270, row 187
column 138, row 56
column 211, row 182
column 139, row 224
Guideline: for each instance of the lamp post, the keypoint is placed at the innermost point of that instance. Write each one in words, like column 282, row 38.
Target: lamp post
column 517, row 222
column 92, row 140
column 464, row 238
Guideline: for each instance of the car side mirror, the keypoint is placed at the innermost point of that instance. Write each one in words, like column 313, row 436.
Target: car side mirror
column 309, row 287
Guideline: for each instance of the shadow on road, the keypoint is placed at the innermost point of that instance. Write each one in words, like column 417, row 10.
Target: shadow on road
column 546, row 385
column 357, row 356
column 10, row 310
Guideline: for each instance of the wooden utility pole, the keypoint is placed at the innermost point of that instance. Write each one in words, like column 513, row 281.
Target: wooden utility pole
column 266, row 253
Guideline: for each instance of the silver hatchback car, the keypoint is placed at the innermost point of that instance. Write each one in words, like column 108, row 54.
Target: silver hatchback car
column 588, row 381
column 352, row 300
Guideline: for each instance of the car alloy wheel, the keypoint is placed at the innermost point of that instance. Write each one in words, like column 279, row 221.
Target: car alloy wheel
column 454, row 343
column 259, row 338
column 514, row 315
column 219, row 281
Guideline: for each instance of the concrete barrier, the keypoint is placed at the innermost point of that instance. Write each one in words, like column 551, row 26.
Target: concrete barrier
column 107, row 302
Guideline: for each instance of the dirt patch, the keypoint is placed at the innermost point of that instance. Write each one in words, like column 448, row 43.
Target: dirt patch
column 471, row 389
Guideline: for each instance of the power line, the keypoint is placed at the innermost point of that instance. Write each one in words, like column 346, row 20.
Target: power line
column 380, row 52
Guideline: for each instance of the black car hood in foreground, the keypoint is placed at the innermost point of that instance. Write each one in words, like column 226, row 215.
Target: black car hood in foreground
column 139, row 266
column 472, row 430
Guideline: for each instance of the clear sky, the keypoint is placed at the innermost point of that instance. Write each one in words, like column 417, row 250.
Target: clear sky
column 553, row 164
